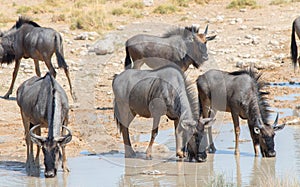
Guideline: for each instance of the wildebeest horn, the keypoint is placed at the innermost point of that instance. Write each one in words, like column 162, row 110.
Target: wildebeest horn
column 206, row 29
column 66, row 138
column 275, row 124
column 276, row 120
column 36, row 138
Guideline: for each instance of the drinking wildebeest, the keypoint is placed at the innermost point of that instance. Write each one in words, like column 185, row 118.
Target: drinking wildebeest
column 44, row 103
column 184, row 46
column 240, row 93
column 26, row 39
column 151, row 94
column 294, row 49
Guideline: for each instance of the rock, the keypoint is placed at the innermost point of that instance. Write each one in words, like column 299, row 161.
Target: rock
column 87, row 36
column 274, row 43
column 243, row 27
column 148, row 2
column 106, row 45
column 259, row 27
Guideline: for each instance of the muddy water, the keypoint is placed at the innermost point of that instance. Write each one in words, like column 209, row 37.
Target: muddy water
column 165, row 170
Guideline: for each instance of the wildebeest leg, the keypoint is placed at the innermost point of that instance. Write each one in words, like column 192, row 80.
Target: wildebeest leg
column 50, row 67
column 129, row 152
column 30, row 164
column 64, row 156
column 255, row 141
column 15, row 73
column 37, row 159
column 153, row 135
column 37, row 67
column 178, row 138
column 206, row 103
column 235, row 119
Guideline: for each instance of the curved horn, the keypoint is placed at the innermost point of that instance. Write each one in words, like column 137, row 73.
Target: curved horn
column 275, row 125
column 36, row 138
column 275, row 121
column 206, row 29
column 66, row 138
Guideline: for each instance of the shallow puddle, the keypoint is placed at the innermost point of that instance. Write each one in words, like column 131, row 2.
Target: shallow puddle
column 166, row 170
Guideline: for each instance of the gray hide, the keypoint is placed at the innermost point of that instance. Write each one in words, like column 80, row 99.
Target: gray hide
column 44, row 103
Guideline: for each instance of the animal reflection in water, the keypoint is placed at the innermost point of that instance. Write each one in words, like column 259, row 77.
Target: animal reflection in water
column 26, row 39
column 44, row 103
column 182, row 46
column 151, row 94
column 240, row 93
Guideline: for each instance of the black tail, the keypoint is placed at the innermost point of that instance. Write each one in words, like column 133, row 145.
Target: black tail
column 59, row 52
column 128, row 61
column 294, row 50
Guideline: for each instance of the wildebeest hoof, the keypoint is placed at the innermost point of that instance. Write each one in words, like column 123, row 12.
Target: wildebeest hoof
column 6, row 96
column 201, row 157
column 212, row 149
column 237, row 153
column 180, row 154
column 132, row 154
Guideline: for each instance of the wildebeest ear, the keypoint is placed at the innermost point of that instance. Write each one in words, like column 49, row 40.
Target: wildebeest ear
column 207, row 122
column 39, row 142
column 64, row 140
column 187, row 124
column 278, row 127
column 209, row 38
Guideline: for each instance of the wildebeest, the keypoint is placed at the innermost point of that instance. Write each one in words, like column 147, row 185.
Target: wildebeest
column 184, row 46
column 241, row 93
column 294, row 49
column 44, row 103
column 26, row 39
column 151, row 94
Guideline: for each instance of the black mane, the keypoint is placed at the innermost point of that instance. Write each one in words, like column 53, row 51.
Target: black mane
column 185, row 32
column 23, row 20
column 261, row 95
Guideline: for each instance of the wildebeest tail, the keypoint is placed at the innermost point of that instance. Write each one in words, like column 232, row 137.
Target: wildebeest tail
column 294, row 50
column 128, row 60
column 59, row 52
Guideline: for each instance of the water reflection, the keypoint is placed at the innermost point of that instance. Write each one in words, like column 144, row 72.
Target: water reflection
column 166, row 170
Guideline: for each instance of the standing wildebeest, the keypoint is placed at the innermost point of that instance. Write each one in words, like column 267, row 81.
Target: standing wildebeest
column 151, row 94
column 44, row 103
column 184, row 46
column 26, row 39
column 241, row 94
column 294, row 50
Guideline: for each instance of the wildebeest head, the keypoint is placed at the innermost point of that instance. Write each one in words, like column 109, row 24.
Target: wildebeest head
column 197, row 144
column 51, row 148
column 265, row 135
column 198, row 45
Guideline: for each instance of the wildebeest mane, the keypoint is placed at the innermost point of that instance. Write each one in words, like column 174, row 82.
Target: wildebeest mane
column 24, row 20
column 185, row 32
column 261, row 95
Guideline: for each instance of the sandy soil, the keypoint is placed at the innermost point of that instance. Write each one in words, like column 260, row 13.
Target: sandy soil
column 261, row 35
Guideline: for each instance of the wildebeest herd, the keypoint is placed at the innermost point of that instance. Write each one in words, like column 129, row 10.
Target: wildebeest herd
column 163, row 90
